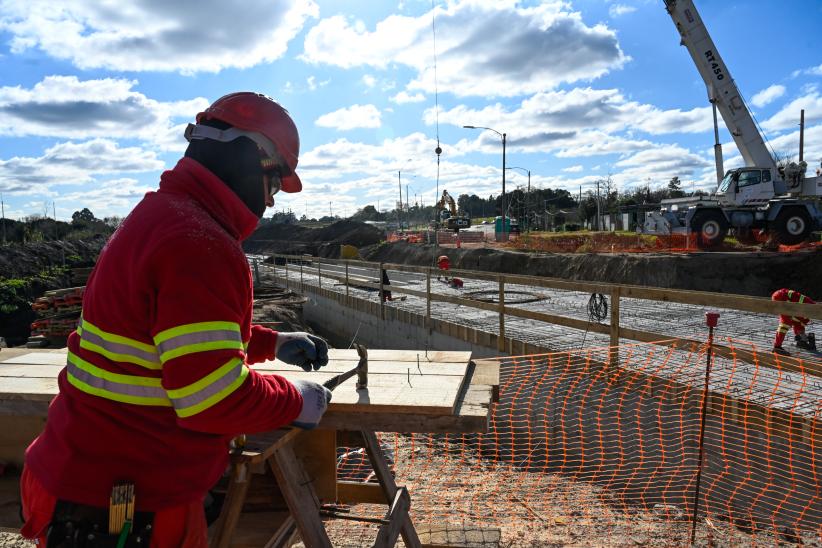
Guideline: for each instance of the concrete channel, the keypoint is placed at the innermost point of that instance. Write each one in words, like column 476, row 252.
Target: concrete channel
column 650, row 436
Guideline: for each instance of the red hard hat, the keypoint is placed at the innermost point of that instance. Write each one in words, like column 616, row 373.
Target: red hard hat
column 259, row 113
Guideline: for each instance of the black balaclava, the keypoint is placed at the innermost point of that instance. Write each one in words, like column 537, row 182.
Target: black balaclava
column 236, row 163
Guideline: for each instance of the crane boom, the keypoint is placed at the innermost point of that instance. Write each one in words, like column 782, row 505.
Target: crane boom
column 721, row 87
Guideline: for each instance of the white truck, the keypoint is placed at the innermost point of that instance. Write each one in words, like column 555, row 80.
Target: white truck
column 760, row 196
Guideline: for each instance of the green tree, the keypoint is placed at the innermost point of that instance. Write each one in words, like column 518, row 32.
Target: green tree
column 675, row 188
column 83, row 216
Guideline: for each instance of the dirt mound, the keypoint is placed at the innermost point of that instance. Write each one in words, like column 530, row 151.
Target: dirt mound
column 322, row 242
column 756, row 274
column 19, row 260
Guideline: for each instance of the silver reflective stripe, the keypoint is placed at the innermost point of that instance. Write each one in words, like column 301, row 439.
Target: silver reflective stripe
column 199, row 337
column 210, row 390
column 119, row 348
column 117, row 388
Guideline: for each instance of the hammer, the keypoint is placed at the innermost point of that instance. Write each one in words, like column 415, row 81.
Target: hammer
column 361, row 371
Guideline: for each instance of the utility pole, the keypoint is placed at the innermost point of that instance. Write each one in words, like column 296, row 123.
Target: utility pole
column 598, row 214
column 399, row 208
column 330, row 211
column 407, row 207
column 3, row 210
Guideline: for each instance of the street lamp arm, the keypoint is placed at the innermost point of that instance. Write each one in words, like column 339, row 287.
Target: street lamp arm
column 483, row 127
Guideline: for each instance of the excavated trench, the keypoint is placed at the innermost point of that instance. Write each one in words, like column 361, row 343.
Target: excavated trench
column 756, row 274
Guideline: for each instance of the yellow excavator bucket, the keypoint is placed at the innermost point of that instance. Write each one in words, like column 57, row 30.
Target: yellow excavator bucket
column 349, row 252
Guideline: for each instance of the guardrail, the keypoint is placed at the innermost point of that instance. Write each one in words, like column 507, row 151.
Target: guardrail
column 616, row 292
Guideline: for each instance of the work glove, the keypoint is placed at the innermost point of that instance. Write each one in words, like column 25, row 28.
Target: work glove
column 316, row 398
column 301, row 349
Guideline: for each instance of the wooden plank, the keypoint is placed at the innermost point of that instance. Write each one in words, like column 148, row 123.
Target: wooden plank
column 302, row 502
column 317, row 452
column 33, row 389
column 29, row 370
column 41, row 358
column 378, row 355
column 412, row 393
column 376, row 368
column 17, row 433
column 397, row 518
column 400, row 505
column 356, row 492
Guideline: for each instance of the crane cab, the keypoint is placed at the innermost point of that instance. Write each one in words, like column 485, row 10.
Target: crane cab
column 748, row 186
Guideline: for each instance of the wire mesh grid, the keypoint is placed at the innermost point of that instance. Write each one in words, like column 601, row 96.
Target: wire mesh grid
column 582, row 453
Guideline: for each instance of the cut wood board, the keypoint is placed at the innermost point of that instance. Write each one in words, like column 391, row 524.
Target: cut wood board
column 401, row 385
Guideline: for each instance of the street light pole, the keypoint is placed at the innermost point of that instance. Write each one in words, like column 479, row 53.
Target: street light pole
column 504, row 237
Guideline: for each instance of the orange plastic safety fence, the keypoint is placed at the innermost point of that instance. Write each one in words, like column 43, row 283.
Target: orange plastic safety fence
column 580, row 452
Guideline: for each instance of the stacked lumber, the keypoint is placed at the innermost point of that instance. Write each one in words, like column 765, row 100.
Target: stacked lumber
column 58, row 312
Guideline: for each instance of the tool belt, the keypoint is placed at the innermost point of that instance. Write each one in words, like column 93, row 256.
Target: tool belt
column 79, row 526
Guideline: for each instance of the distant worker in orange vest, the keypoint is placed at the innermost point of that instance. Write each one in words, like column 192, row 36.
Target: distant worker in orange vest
column 798, row 323
column 444, row 264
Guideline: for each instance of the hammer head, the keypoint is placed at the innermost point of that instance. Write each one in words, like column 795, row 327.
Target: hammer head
column 362, row 367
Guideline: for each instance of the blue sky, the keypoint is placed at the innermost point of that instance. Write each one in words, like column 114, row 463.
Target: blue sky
column 94, row 97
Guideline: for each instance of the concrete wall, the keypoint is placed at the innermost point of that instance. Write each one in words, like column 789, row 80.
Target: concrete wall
column 400, row 330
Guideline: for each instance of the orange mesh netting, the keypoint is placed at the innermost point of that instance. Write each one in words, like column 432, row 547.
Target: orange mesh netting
column 581, row 453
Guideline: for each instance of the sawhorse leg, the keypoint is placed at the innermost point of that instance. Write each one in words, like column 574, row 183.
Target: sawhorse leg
column 398, row 517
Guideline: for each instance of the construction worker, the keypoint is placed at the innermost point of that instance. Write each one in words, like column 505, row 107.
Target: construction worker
column 798, row 323
column 443, row 263
column 157, row 382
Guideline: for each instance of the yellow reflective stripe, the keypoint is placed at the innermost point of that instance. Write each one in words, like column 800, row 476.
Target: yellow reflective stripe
column 137, row 400
column 114, row 377
column 211, row 378
column 111, row 337
column 186, row 329
column 200, row 347
column 801, row 298
column 214, row 399
column 115, row 356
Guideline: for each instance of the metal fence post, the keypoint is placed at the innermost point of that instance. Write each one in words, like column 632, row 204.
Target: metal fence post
column 501, row 339
column 428, row 297
column 711, row 319
column 346, row 278
column 302, row 288
column 319, row 274
column 257, row 272
column 613, row 360
column 286, row 272
column 382, row 295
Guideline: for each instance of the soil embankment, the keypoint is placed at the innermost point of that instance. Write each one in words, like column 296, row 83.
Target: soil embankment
column 755, row 274
column 292, row 239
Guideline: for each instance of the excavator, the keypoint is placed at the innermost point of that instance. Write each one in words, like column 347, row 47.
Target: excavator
column 761, row 196
column 448, row 216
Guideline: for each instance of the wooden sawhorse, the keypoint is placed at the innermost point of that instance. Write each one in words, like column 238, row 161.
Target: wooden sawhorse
column 276, row 449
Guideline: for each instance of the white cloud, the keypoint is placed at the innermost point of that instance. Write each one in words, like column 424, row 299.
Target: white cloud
column 403, row 97
column 565, row 121
column 573, row 169
column 788, row 117
column 617, row 10
column 369, row 81
column 355, row 116
column 768, row 95
column 485, row 48
column 207, row 36
column 74, row 163
column 64, row 106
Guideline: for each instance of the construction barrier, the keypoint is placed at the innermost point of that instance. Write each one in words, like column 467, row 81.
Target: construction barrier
column 580, row 452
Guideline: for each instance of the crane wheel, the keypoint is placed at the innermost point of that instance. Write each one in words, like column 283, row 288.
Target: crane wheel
column 792, row 226
column 710, row 227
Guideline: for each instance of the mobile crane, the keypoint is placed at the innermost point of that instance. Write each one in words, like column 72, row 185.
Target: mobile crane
column 760, row 196
column 448, row 216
